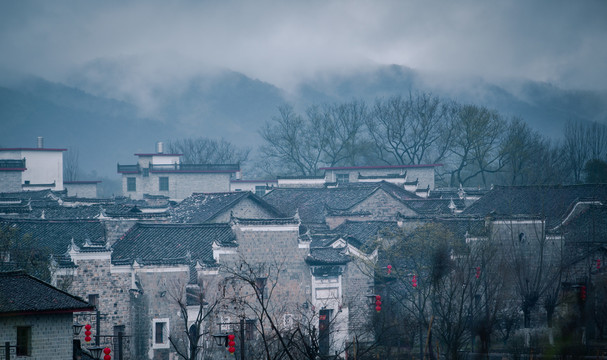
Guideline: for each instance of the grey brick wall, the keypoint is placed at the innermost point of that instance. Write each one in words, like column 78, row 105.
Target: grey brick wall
column 181, row 185
column 51, row 335
column 10, row 181
column 356, row 285
column 383, row 206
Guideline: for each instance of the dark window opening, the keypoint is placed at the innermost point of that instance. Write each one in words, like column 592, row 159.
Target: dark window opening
column 24, row 340
column 94, row 299
column 163, row 183
column 159, row 333
column 131, row 184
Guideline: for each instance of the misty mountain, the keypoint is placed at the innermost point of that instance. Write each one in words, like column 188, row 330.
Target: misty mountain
column 107, row 126
column 544, row 106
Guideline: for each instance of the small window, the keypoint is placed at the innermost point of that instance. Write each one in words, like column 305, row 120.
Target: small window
column 250, row 329
column 146, row 172
column 94, row 299
column 131, row 184
column 163, row 183
column 161, row 333
column 342, row 178
column 24, row 340
column 260, row 190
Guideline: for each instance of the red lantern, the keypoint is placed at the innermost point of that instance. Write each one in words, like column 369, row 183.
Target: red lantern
column 231, row 349
column 232, row 343
column 87, row 333
column 478, row 272
column 377, row 303
column 583, row 293
column 87, row 339
column 414, row 281
column 389, row 269
column 231, row 337
column 107, row 357
column 598, row 264
column 88, row 326
column 107, row 351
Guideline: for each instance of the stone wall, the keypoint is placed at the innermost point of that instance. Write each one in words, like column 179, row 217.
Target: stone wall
column 383, row 207
column 10, row 181
column 181, row 185
column 51, row 335
column 356, row 286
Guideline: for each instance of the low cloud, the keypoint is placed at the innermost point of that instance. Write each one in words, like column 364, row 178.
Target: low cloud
column 148, row 44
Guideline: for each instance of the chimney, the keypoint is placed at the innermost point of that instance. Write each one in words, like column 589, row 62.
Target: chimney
column 159, row 147
column 40, row 142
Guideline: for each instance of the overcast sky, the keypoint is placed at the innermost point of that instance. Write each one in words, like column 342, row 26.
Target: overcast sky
column 284, row 42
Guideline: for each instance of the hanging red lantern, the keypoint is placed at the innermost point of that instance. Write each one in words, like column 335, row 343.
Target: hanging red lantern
column 478, row 272
column 389, row 269
column 414, row 281
column 377, row 303
column 232, row 343
column 231, row 349
column 87, row 339
column 598, row 264
column 231, row 337
column 583, row 293
column 107, row 357
column 88, row 326
column 107, row 351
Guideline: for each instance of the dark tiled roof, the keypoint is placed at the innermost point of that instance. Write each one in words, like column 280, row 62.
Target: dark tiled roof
column 587, row 225
column 552, row 202
column 57, row 235
column 380, row 167
column 362, row 234
column 203, row 207
column 459, row 225
column 23, row 294
column 65, row 213
column 12, row 165
column 311, row 202
column 435, row 206
column 35, row 194
column 386, row 176
column 276, row 221
column 133, row 212
column 327, row 256
column 171, row 243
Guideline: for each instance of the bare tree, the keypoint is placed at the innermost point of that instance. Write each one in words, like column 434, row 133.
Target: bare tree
column 412, row 130
column 208, row 151
column 71, row 165
column 529, row 158
column 191, row 300
column 293, row 143
column 476, row 144
column 343, row 124
column 285, row 328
